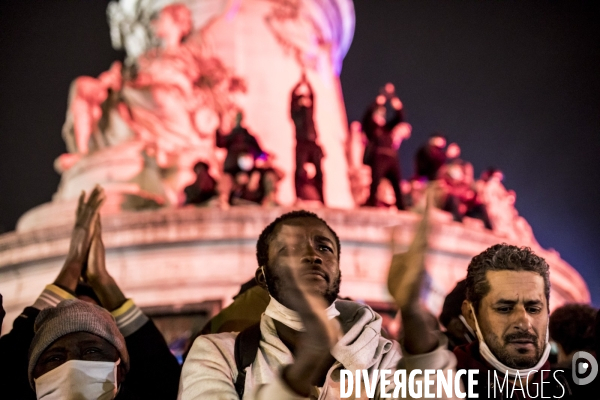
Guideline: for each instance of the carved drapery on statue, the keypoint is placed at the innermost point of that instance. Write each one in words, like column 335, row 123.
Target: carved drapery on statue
column 164, row 103
column 176, row 82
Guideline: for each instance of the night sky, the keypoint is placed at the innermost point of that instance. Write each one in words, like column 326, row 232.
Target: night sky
column 515, row 83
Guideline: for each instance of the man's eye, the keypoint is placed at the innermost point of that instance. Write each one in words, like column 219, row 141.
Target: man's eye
column 52, row 359
column 503, row 310
column 534, row 310
column 92, row 350
column 325, row 248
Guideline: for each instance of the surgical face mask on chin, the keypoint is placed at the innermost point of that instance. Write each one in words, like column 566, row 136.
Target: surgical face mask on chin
column 79, row 379
column 291, row 318
column 488, row 356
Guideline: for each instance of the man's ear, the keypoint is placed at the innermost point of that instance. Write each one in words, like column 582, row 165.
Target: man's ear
column 260, row 277
column 467, row 313
column 120, row 374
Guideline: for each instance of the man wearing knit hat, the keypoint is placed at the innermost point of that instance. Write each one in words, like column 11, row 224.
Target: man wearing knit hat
column 77, row 353
column 155, row 372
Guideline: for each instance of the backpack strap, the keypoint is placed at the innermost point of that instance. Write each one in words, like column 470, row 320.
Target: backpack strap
column 245, row 350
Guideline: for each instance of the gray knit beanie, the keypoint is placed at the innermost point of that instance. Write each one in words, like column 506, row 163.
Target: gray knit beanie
column 71, row 316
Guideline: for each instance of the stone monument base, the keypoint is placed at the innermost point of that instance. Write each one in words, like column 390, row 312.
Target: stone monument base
column 178, row 257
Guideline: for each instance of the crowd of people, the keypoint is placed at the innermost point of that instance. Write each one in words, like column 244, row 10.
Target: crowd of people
column 435, row 161
column 288, row 334
column 250, row 177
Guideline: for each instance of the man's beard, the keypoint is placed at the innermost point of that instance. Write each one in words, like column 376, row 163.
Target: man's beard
column 274, row 287
column 510, row 359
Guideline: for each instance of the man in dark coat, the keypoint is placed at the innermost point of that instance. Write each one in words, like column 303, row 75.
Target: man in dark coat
column 154, row 371
column 239, row 144
column 431, row 157
column 204, row 187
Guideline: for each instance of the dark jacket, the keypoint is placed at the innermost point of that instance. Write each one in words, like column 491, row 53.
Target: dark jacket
column 428, row 161
column 379, row 137
column 303, row 116
column 238, row 142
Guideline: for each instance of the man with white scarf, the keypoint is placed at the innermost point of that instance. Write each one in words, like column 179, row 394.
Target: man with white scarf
column 306, row 335
column 508, row 292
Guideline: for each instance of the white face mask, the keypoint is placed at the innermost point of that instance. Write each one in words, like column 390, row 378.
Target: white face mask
column 291, row 318
column 487, row 354
column 245, row 162
column 79, row 379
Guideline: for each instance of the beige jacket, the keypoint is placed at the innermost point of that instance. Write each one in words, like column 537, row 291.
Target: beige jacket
column 209, row 371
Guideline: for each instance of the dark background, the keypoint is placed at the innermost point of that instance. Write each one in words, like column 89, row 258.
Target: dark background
column 515, row 83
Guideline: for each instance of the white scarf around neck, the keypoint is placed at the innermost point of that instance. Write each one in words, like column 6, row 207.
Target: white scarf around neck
column 291, row 318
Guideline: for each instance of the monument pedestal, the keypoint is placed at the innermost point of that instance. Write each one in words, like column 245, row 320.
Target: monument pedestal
column 177, row 257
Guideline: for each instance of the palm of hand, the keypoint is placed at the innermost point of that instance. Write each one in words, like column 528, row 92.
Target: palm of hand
column 408, row 269
column 405, row 276
column 321, row 333
column 85, row 221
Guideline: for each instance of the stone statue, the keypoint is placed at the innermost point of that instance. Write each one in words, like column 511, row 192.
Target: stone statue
column 161, row 108
column 129, row 22
column 175, row 98
column 270, row 43
column 500, row 205
column 90, row 121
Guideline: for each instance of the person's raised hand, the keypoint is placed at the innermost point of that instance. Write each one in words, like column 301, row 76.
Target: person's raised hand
column 81, row 237
column 389, row 88
column 321, row 333
column 110, row 295
column 405, row 279
column 96, row 261
column 396, row 103
column 313, row 352
column 407, row 269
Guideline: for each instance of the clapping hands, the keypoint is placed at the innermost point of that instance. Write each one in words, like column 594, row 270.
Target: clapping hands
column 81, row 237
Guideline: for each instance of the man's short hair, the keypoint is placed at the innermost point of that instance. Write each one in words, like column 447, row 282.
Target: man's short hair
column 572, row 326
column 503, row 257
column 262, row 245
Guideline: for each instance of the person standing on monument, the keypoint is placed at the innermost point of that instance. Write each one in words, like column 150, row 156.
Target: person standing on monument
column 243, row 151
column 308, row 153
column 381, row 153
